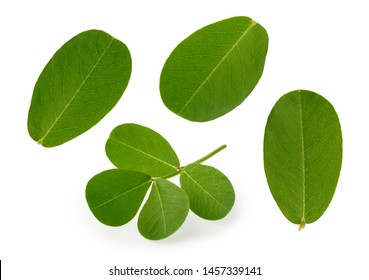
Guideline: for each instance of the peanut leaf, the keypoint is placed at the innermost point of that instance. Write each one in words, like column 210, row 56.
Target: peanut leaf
column 135, row 147
column 164, row 212
column 114, row 196
column 80, row 84
column 302, row 155
column 213, row 70
column 210, row 192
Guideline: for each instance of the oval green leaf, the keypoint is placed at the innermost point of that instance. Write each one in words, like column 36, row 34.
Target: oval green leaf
column 213, row 70
column 79, row 85
column 302, row 155
column 114, row 196
column 164, row 212
column 135, row 147
column 210, row 192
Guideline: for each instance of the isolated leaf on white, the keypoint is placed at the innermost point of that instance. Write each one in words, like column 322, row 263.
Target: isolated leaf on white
column 302, row 155
column 80, row 84
column 214, row 69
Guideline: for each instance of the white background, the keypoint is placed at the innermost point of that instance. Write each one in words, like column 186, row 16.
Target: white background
column 46, row 228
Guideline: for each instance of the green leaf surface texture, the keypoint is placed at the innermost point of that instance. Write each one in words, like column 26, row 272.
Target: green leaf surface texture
column 302, row 155
column 213, row 70
column 135, row 147
column 114, row 196
column 81, row 83
column 210, row 192
column 165, row 210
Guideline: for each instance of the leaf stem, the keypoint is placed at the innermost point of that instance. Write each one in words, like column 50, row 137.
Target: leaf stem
column 173, row 174
column 302, row 224
column 213, row 153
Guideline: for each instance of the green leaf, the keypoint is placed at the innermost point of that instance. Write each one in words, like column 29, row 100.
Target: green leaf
column 164, row 212
column 214, row 69
column 81, row 83
column 210, row 192
column 135, row 147
column 114, row 196
column 302, row 155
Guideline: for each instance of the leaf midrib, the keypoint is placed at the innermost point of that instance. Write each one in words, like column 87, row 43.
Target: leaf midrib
column 302, row 161
column 253, row 23
column 145, row 153
column 162, row 208
column 40, row 141
column 192, row 179
column 120, row 195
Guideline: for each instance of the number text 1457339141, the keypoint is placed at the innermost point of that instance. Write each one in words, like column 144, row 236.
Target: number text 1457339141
column 228, row 270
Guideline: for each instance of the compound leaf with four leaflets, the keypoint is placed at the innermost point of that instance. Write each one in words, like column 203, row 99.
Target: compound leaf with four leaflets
column 112, row 194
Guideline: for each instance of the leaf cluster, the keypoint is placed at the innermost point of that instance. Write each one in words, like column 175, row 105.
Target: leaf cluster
column 145, row 159
column 207, row 75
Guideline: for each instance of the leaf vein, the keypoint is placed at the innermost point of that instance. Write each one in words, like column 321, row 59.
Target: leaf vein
column 162, row 211
column 204, row 190
column 78, row 90
column 120, row 195
column 217, row 66
column 302, row 161
column 145, row 153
